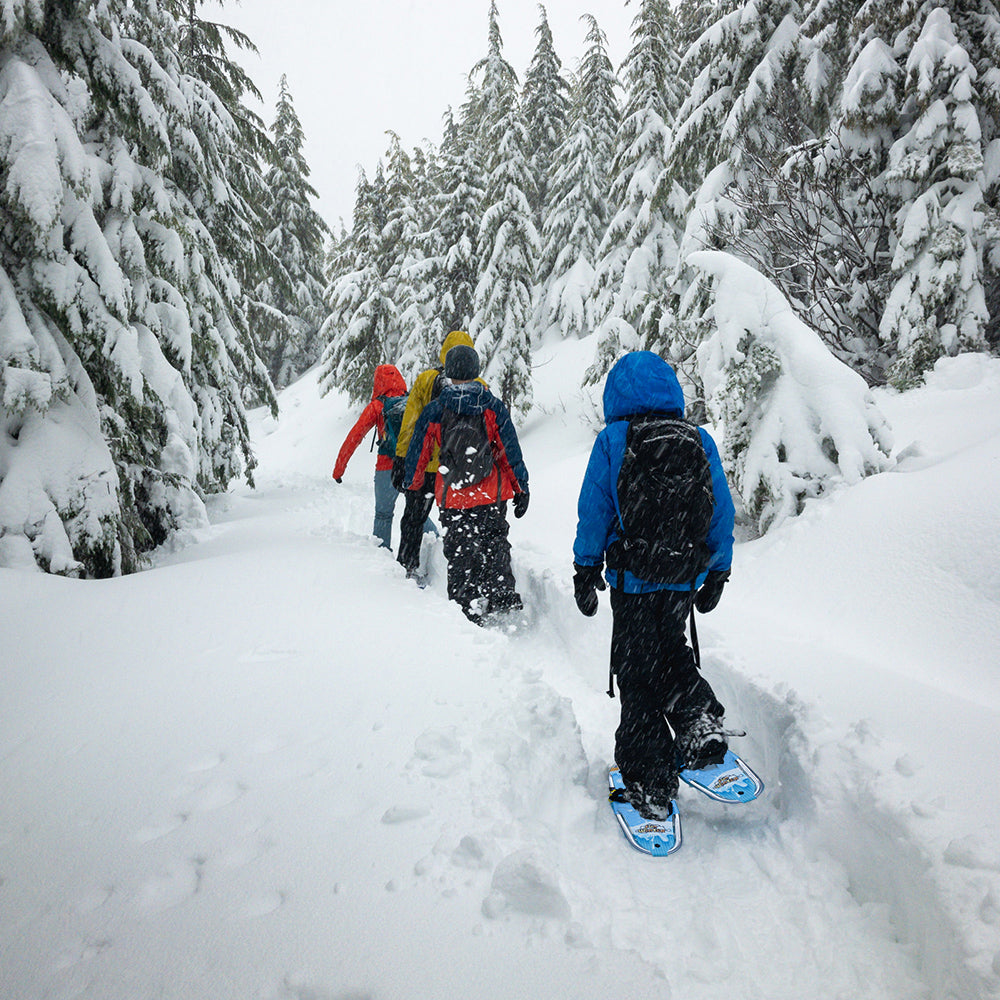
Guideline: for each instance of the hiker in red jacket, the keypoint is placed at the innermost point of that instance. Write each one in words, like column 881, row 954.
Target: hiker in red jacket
column 388, row 396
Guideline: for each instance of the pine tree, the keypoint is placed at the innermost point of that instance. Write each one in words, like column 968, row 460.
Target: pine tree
column 578, row 212
column 452, row 261
column 124, row 340
column 546, row 101
column 797, row 421
column 937, row 305
column 235, row 215
column 400, row 249
column 295, row 294
column 639, row 247
column 361, row 319
column 419, row 323
column 507, row 240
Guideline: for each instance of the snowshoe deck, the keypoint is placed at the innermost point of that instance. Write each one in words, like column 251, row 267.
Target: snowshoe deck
column 649, row 836
column 731, row 781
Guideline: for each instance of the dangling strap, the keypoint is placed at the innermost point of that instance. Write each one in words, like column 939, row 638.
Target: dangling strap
column 694, row 633
column 618, row 585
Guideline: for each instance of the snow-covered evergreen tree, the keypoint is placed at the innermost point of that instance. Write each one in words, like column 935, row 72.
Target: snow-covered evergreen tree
column 507, row 240
column 457, row 205
column 419, row 323
column 400, row 251
column 361, row 320
column 639, row 248
column 124, row 342
column 937, row 304
column 578, row 200
column 796, row 421
column 545, row 99
column 294, row 295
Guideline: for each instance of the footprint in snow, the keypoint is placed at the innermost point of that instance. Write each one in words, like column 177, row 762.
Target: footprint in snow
column 214, row 795
column 404, row 814
column 440, row 752
column 169, row 888
column 207, row 763
column 262, row 905
column 156, row 831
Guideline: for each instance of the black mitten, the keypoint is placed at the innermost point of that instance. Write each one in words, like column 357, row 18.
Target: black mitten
column 398, row 473
column 587, row 581
column 711, row 590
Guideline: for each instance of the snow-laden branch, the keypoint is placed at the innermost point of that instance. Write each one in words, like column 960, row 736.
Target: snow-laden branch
column 796, row 421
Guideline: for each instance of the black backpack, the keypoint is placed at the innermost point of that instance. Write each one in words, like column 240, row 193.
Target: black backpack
column 466, row 454
column 665, row 499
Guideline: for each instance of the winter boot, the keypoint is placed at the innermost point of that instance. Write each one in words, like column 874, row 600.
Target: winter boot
column 651, row 802
column 702, row 742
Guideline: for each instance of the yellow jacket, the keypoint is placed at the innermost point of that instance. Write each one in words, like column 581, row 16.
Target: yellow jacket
column 420, row 396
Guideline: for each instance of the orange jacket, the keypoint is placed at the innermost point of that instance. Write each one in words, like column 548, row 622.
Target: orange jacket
column 388, row 382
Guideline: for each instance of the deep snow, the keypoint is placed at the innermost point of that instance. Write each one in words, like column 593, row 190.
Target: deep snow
column 270, row 767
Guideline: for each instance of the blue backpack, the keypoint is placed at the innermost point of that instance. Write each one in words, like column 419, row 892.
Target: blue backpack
column 393, row 408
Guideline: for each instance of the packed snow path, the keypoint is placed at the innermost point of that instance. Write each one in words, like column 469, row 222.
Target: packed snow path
column 271, row 767
column 289, row 773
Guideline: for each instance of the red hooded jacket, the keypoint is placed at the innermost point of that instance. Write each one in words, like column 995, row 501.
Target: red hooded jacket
column 388, row 382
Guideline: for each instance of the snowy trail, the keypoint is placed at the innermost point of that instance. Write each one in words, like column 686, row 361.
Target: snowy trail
column 459, row 796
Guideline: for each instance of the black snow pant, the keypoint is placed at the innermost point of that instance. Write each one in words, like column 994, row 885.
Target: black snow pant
column 661, row 689
column 411, row 524
column 480, row 579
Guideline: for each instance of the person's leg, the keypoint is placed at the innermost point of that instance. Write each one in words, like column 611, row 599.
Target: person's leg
column 411, row 526
column 385, row 506
column 461, row 537
column 430, row 482
column 644, row 742
column 691, row 707
column 666, row 702
column 496, row 578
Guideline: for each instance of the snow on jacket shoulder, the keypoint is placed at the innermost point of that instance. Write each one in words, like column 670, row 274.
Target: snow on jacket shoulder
column 641, row 382
column 469, row 398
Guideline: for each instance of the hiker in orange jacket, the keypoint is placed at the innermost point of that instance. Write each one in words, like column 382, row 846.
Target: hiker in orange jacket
column 388, row 385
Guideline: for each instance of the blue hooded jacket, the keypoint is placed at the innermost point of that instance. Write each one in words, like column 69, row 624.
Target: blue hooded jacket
column 641, row 382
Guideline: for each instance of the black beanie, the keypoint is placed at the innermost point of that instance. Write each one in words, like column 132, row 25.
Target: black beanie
column 461, row 363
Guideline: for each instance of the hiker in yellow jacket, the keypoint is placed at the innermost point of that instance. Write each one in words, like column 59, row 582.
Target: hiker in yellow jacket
column 424, row 388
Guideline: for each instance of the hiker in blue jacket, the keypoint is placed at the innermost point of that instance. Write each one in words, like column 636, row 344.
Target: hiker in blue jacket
column 670, row 715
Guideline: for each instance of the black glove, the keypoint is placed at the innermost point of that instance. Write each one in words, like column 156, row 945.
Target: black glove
column 587, row 581
column 338, row 479
column 711, row 590
column 398, row 473
column 520, row 503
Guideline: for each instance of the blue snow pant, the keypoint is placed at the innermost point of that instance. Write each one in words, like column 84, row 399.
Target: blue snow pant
column 386, row 496
column 661, row 689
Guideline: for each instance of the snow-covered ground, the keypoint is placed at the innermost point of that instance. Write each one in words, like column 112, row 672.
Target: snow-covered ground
column 271, row 767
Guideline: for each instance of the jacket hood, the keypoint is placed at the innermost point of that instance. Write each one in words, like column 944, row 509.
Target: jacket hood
column 468, row 397
column 388, row 382
column 641, row 382
column 453, row 338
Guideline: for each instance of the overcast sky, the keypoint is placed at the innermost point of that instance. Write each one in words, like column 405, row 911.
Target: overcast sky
column 356, row 69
